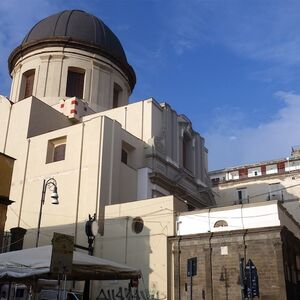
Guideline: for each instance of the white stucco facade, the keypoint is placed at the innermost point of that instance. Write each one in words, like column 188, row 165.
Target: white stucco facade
column 107, row 156
column 237, row 217
column 270, row 180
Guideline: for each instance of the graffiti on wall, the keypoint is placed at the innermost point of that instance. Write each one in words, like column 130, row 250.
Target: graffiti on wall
column 122, row 293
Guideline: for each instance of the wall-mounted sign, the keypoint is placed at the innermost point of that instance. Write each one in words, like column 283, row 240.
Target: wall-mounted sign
column 62, row 253
column 192, row 267
column 251, row 280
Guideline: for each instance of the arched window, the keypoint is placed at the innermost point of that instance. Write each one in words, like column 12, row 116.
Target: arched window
column 27, row 84
column 75, row 82
column 221, row 223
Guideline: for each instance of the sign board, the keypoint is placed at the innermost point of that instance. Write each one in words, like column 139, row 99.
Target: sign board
column 251, row 280
column 62, row 253
column 192, row 267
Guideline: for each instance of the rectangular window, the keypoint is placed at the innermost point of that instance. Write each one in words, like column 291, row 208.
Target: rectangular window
column 127, row 154
column 242, row 195
column 75, row 83
column 116, row 95
column 56, row 149
column 27, row 83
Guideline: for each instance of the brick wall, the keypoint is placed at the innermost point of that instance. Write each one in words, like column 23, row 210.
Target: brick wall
column 218, row 273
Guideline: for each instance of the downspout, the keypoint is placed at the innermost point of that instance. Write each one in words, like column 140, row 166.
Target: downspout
column 23, row 185
column 178, row 266
column 209, row 219
column 244, row 245
column 242, row 217
column 99, row 164
column 7, row 127
column 244, row 263
column 79, row 183
column 210, row 266
column 126, row 240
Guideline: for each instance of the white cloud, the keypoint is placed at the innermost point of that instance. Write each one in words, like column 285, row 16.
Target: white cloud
column 267, row 141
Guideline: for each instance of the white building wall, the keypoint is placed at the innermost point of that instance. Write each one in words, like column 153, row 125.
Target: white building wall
column 237, row 217
column 147, row 250
column 252, row 172
column 271, row 169
column 51, row 69
column 261, row 189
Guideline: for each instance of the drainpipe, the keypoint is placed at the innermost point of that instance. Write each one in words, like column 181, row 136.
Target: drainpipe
column 178, row 265
column 23, row 184
column 210, row 265
column 126, row 240
column 79, row 183
column 7, row 127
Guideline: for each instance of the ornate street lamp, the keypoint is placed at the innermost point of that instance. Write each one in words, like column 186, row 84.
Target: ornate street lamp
column 51, row 184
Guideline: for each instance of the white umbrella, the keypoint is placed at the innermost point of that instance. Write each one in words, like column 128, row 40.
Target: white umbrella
column 35, row 263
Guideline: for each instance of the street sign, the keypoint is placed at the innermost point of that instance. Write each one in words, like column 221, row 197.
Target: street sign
column 251, row 280
column 62, row 253
column 192, row 267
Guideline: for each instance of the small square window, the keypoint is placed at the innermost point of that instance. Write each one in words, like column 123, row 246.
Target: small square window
column 56, row 149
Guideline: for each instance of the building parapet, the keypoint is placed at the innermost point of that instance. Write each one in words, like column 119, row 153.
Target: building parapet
column 238, row 217
column 288, row 165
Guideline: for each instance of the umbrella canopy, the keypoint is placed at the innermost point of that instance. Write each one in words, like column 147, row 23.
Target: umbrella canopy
column 35, row 263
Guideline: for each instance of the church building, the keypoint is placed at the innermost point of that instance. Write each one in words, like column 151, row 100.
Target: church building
column 68, row 118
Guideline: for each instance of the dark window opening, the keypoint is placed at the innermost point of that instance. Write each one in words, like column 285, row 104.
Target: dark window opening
column 75, row 83
column 116, row 95
column 59, row 152
column 56, row 149
column 240, row 195
column 20, row 293
column 28, row 83
column 124, row 156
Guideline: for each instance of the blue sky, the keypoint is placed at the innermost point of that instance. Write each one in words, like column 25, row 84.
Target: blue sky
column 231, row 66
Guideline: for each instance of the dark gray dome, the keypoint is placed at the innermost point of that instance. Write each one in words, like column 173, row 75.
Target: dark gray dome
column 77, row 29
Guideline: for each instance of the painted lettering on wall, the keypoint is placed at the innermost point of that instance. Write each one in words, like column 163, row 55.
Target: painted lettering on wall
column 124, row 294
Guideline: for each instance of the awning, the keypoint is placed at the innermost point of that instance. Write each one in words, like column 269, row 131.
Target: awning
column 34, row 263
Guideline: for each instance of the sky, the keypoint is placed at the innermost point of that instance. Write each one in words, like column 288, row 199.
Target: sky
column 231, row 66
